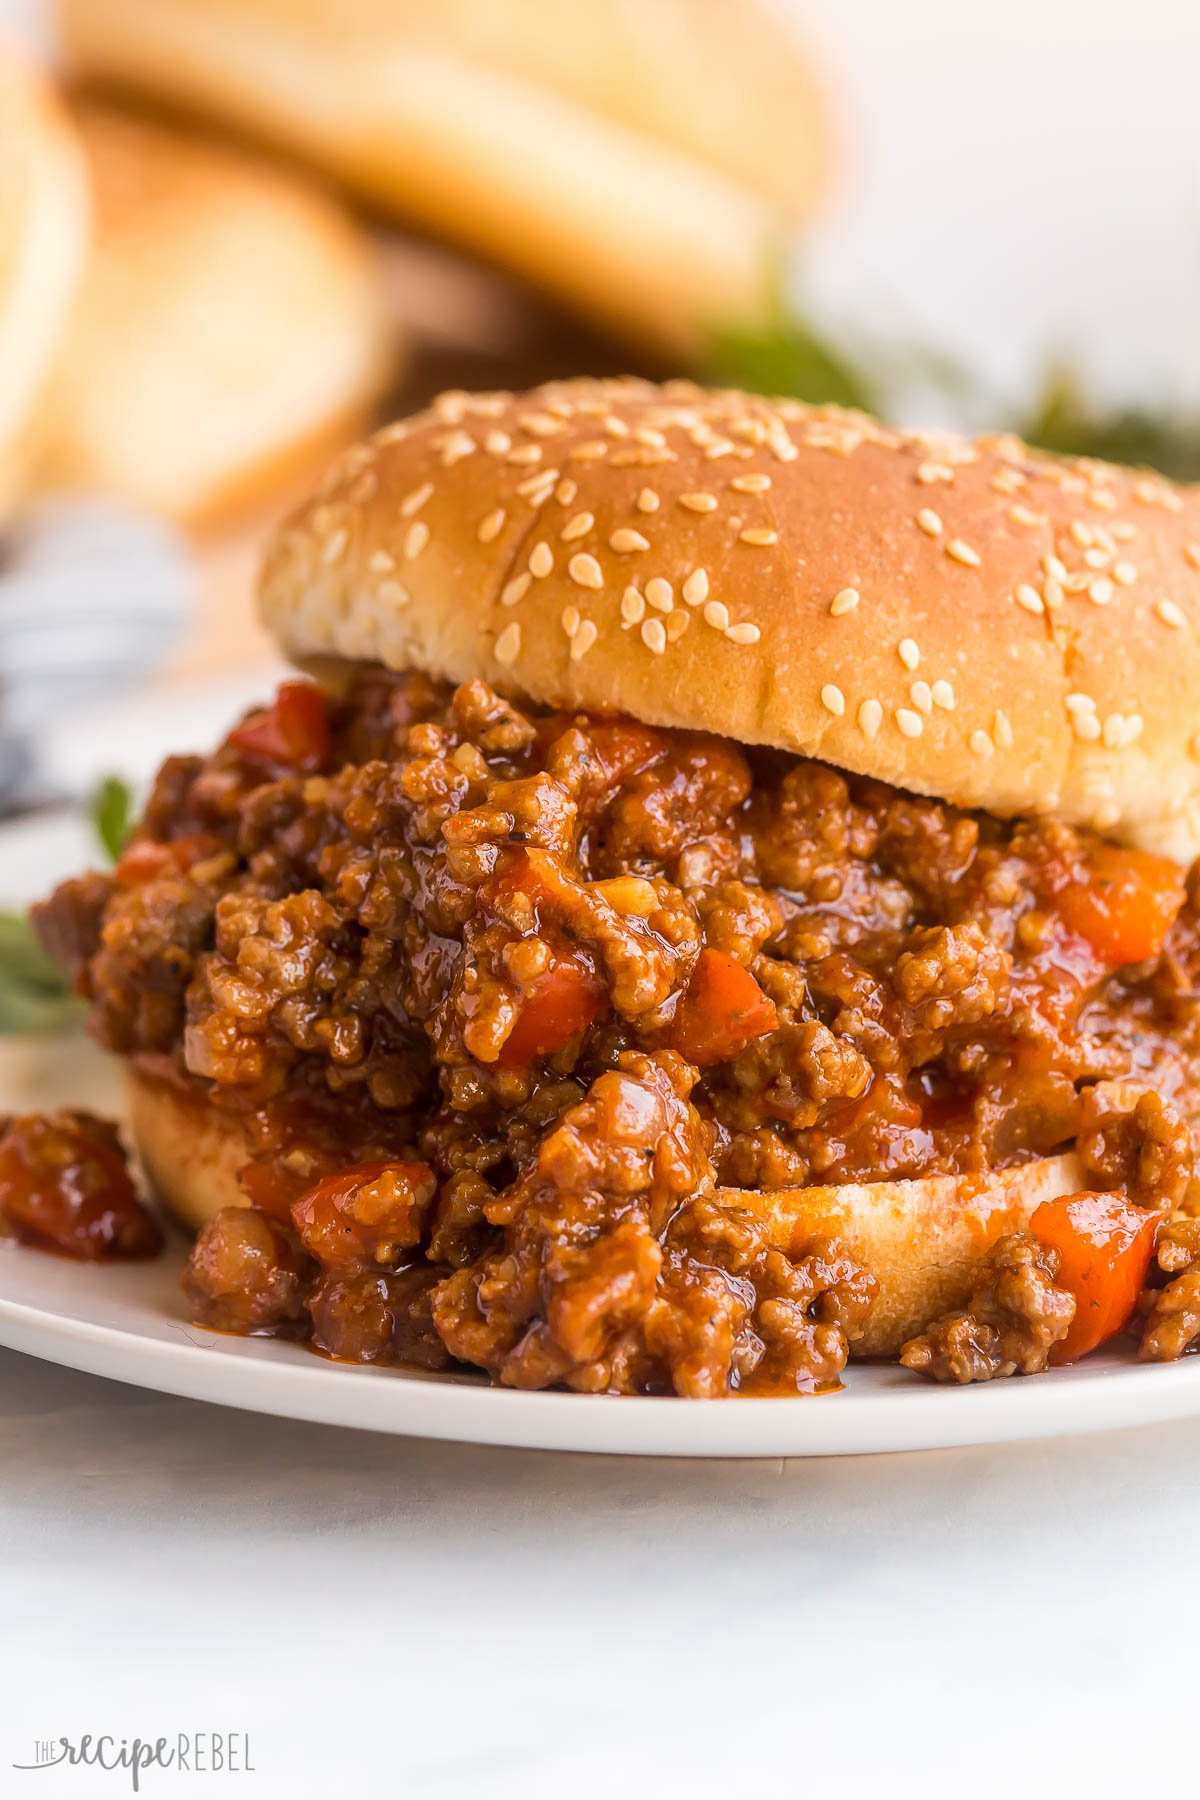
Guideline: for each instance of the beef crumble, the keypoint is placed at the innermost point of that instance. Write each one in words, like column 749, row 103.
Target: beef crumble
column 582, row 973
column 1013, row 1320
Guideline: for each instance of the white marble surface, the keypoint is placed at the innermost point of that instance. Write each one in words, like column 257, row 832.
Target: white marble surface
column 393, row 1617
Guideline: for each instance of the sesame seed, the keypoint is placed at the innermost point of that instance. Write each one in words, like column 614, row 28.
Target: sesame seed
column 508, row 643
column 844, row 602
column 929, row 472
column 625, row 539
column 541, row 559
column 929, row 521
column 1124, row 574
column 1020, row 514
column 569, row 619
column 743, row 634
column 751, row 483
column 540, row 484
column 585, row 571
column 515, row 590
column 1096, row 558
column 633, row 606
column 1030, row 599
column 524, row 454
column 1170, row 614
column 660, row 593
column 981, row 744
column 491, row 525
column 393, row 593
column 911, row 724
column 833, row 699
column 413, row 502
column 577, row 527
column 1114, row 731
column 497, row 443
column 921, row 695
column 1052, row 594
column 592, row 451
column 415, row 539
column 677, row 624
column 566, row 491
column 716, row 614
column 1101, row 591
column 583, row 639
column 963, row 553
column 695, row 588
column 943, row 695
column 759, row 535
column 1002, row 731
column 870, row 718
column 910, row 655
column 539, row 424
column 334, row 546
column 455, row 447
column 1087, row 726
column 381, row 562
column 699, row 503
column 1079, row 703
column 654, row 636
column 648, row 501
column 1055, row 567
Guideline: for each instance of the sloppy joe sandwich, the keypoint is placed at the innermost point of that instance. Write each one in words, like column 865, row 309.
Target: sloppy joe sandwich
column 716, row 905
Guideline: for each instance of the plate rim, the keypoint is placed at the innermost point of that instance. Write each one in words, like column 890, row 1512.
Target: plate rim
column 205, row 1366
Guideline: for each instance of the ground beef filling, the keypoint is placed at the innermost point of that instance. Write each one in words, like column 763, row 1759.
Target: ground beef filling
column 502, row 998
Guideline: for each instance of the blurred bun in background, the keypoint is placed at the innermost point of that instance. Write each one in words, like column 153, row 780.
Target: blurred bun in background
column 43, row 238
column 229, row 326
column 644, row 164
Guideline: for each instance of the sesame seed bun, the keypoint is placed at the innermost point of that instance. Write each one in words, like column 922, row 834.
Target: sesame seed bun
column 923, row 1241
column 43, row 234
column 975, row 621
column 222, row 291
column 640, row 162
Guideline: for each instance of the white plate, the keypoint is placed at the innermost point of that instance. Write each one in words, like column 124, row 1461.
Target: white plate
column 128, row 1322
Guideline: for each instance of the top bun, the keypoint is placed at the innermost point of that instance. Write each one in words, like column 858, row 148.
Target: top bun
column 43, row 241
column 641, row 162
column 973, row 620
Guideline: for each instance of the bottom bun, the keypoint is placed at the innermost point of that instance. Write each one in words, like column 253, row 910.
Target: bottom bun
column 191, row 1153
column 923, row 1241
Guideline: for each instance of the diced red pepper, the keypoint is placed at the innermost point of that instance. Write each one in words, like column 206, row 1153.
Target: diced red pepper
column 364, row 1213
column 147, row 860
column 1123, row 903
column 555, row 1007
column 64, row 1186
column 1105, row 1243
column 723, row 1010
column 293, row 732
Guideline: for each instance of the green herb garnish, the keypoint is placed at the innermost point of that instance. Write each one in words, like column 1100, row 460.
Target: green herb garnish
column 111, row 813
column 1066, row 421
column 34, row 992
